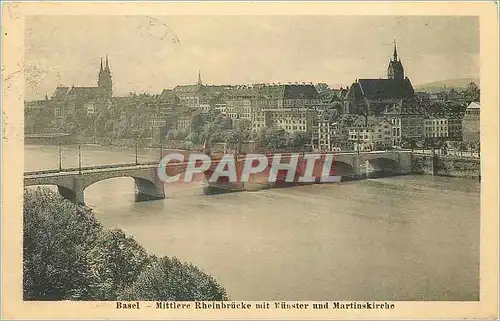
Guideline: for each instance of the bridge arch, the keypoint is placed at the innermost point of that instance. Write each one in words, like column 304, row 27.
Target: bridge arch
column 340, row 168
column 147, row 184
column 71, row 186
column 381, row 166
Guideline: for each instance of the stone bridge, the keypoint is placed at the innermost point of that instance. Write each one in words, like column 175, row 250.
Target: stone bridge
column 72, row 182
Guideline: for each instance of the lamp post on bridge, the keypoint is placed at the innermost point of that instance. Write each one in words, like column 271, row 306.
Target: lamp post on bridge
column 60, row 157
column 136, row 151
column 79, row 159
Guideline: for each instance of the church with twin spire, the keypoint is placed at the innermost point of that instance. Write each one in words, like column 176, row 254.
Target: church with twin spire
column 86, row 99
column 104, row 81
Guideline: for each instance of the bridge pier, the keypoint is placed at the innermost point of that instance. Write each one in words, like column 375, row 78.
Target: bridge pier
column 405, row 163
column 72, row 196
column 356, row 166
column 75, row 194
column 146, row 190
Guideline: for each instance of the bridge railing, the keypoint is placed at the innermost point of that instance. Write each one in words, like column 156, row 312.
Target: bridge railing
column 238, row 157
column 75, row 169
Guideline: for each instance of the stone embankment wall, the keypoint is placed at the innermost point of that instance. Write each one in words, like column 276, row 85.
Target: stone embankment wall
column 450, row 166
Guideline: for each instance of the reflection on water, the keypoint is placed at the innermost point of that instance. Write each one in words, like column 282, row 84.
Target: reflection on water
column 399, row 238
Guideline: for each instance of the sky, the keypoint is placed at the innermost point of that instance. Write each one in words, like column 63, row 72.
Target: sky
column 150, row 53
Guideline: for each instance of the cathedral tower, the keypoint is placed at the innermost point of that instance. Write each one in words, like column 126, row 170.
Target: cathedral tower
column 395, row 69
column 104, row 81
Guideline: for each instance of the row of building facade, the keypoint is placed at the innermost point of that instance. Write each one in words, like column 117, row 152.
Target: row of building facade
column 370, row 114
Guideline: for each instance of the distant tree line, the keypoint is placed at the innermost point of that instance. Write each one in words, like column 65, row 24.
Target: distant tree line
column 68, row 255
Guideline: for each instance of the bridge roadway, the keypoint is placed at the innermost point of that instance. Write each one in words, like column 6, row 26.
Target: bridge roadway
column 71, row 182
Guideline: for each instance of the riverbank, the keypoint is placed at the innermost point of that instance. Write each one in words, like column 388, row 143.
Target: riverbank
column 447, row 166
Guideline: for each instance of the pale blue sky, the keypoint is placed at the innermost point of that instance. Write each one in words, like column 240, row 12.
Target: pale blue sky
column 145, row 55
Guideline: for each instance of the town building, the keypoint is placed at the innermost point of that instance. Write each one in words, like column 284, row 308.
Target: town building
column 443, row 127
column 323, row 133
column 471, row 126
column 455, row 127
column 435, row 127
column 238, row 102
column 340, row 133
column 370, row 133
column 291, row 107
column 408, row 122
column 184, row 122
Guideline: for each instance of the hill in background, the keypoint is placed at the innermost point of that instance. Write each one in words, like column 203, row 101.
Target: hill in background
column 438, row 86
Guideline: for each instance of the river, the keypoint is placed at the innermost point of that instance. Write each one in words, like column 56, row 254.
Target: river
column 398, row 238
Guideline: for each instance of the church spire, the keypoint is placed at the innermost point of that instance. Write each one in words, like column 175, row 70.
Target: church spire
column 199, row 78
column 104, row 81
column 395, row 69
column 395, row 51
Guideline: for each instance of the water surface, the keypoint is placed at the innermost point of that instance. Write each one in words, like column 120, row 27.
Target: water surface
column 398, row 238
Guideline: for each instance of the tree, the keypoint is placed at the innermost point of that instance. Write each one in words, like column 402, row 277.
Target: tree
column 197, row 123
column 67, row 255
column 472, row 92
column 193, row 137
column 322, row 88
column 276, row 139
column 234, row 139
column 56, row 236
column 212, row 132
column 298, row 140
column 226, row 122
column 244, row 125
column 116, row 261
column 169, row 279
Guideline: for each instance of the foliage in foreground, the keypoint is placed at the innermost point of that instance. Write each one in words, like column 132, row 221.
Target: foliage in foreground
column 169, row 279
column 68, row 255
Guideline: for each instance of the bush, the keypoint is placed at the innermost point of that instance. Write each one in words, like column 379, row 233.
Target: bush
column 57, row 235
column 115, row 261
column 169, row 279
column 67, row 255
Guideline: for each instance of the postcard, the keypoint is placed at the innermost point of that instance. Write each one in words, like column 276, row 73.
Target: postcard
column 249, row 160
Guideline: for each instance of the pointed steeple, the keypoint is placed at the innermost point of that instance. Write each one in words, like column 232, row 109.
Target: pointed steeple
column 199, row 78
column 395, row 69
column 395, row 55
column 104, row 81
